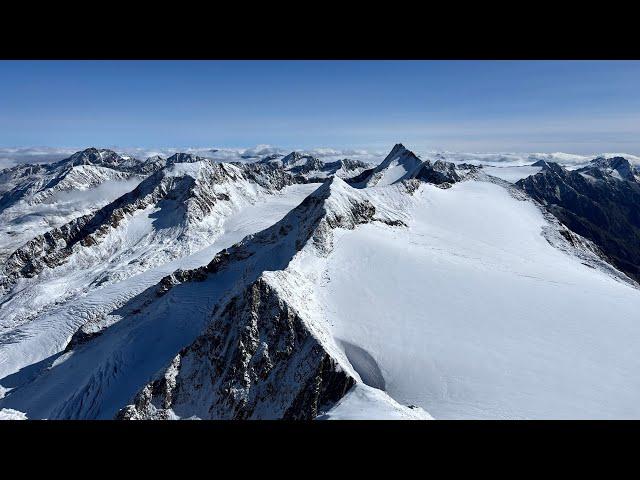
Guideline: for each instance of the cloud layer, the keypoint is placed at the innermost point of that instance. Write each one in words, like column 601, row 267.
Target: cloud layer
column 10, row 157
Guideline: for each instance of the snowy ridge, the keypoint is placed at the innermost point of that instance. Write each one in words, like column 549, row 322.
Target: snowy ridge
column 9, row 414
column 33, row 184
column 599, row 202
column 322, row 374
column 37, row 198
column 562, row 238
column 311, row 168
column 258, row 359
column 118, row 358
column 400, row 164
column 172, row 213
column 51, row 330
column 140, row 333
column 457, row 305
column 618, row 167
column 412, row 287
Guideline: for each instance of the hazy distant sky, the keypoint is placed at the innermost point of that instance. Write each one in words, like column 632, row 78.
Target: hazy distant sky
column 581, row 106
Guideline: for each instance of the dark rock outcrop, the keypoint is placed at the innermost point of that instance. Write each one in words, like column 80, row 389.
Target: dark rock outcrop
column 615, row 166
column 438, row 173
column 194, row 196
column 258, row 359
column 595, row 204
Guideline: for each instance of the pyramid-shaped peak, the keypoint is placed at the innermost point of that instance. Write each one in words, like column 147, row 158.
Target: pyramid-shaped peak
column 399, row 164
column 398, row 148
column 540, row 163
column 399, row 151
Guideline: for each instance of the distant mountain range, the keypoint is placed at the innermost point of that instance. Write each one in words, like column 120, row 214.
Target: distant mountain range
column 294, row 287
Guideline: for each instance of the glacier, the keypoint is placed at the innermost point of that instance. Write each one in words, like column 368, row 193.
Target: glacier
column 427, row 286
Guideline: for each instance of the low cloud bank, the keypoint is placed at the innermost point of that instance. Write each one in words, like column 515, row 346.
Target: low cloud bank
column 10, row 157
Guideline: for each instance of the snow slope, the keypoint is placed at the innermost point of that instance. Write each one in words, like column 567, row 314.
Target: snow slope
column 48, row 334
column 470, row 312
column 51, row 208
column 217, row 291
column 512, row 173
column 266, row 352
column 172, row 213
column 9, row 414
column 367, row 403
column 399, row 164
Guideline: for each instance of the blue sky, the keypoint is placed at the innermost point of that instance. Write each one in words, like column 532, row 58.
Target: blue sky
column 580, row 107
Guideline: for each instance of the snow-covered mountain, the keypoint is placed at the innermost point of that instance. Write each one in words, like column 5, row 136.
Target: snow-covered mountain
column 296, row 288
column 403, row 165
column 599, row 201
column 37, row 198
column 174, row 212
column 313, row 169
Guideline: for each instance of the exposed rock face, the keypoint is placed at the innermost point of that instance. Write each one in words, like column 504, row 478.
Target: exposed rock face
column 249, row 334
column 361, row 177
column 403, row 162
column 596, row 204
column 438, row 173
column 617, row 167
column 260, row 357
column 402, row 165
column 333, row 205
column 295, row 159
column 184, row 158
column 269, row 175
column 307, row 168
column 53, row 247
column 89, row 168
column 191, row 186
column 257, row 360
column 97, row 157
column 539, row 163
column 84, row 169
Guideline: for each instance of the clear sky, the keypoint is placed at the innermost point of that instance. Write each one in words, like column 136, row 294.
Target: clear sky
column 525, row 106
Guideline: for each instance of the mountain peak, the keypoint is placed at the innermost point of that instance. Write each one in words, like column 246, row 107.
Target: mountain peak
column 92, row 156
column 618, row 167
column 397, row 148
column 291, row 158
column 539, row 163
column 401, row 163
column 296, row 158
column 400, row 151
column 182, row 157
column 550, row 167
column 330, row 187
